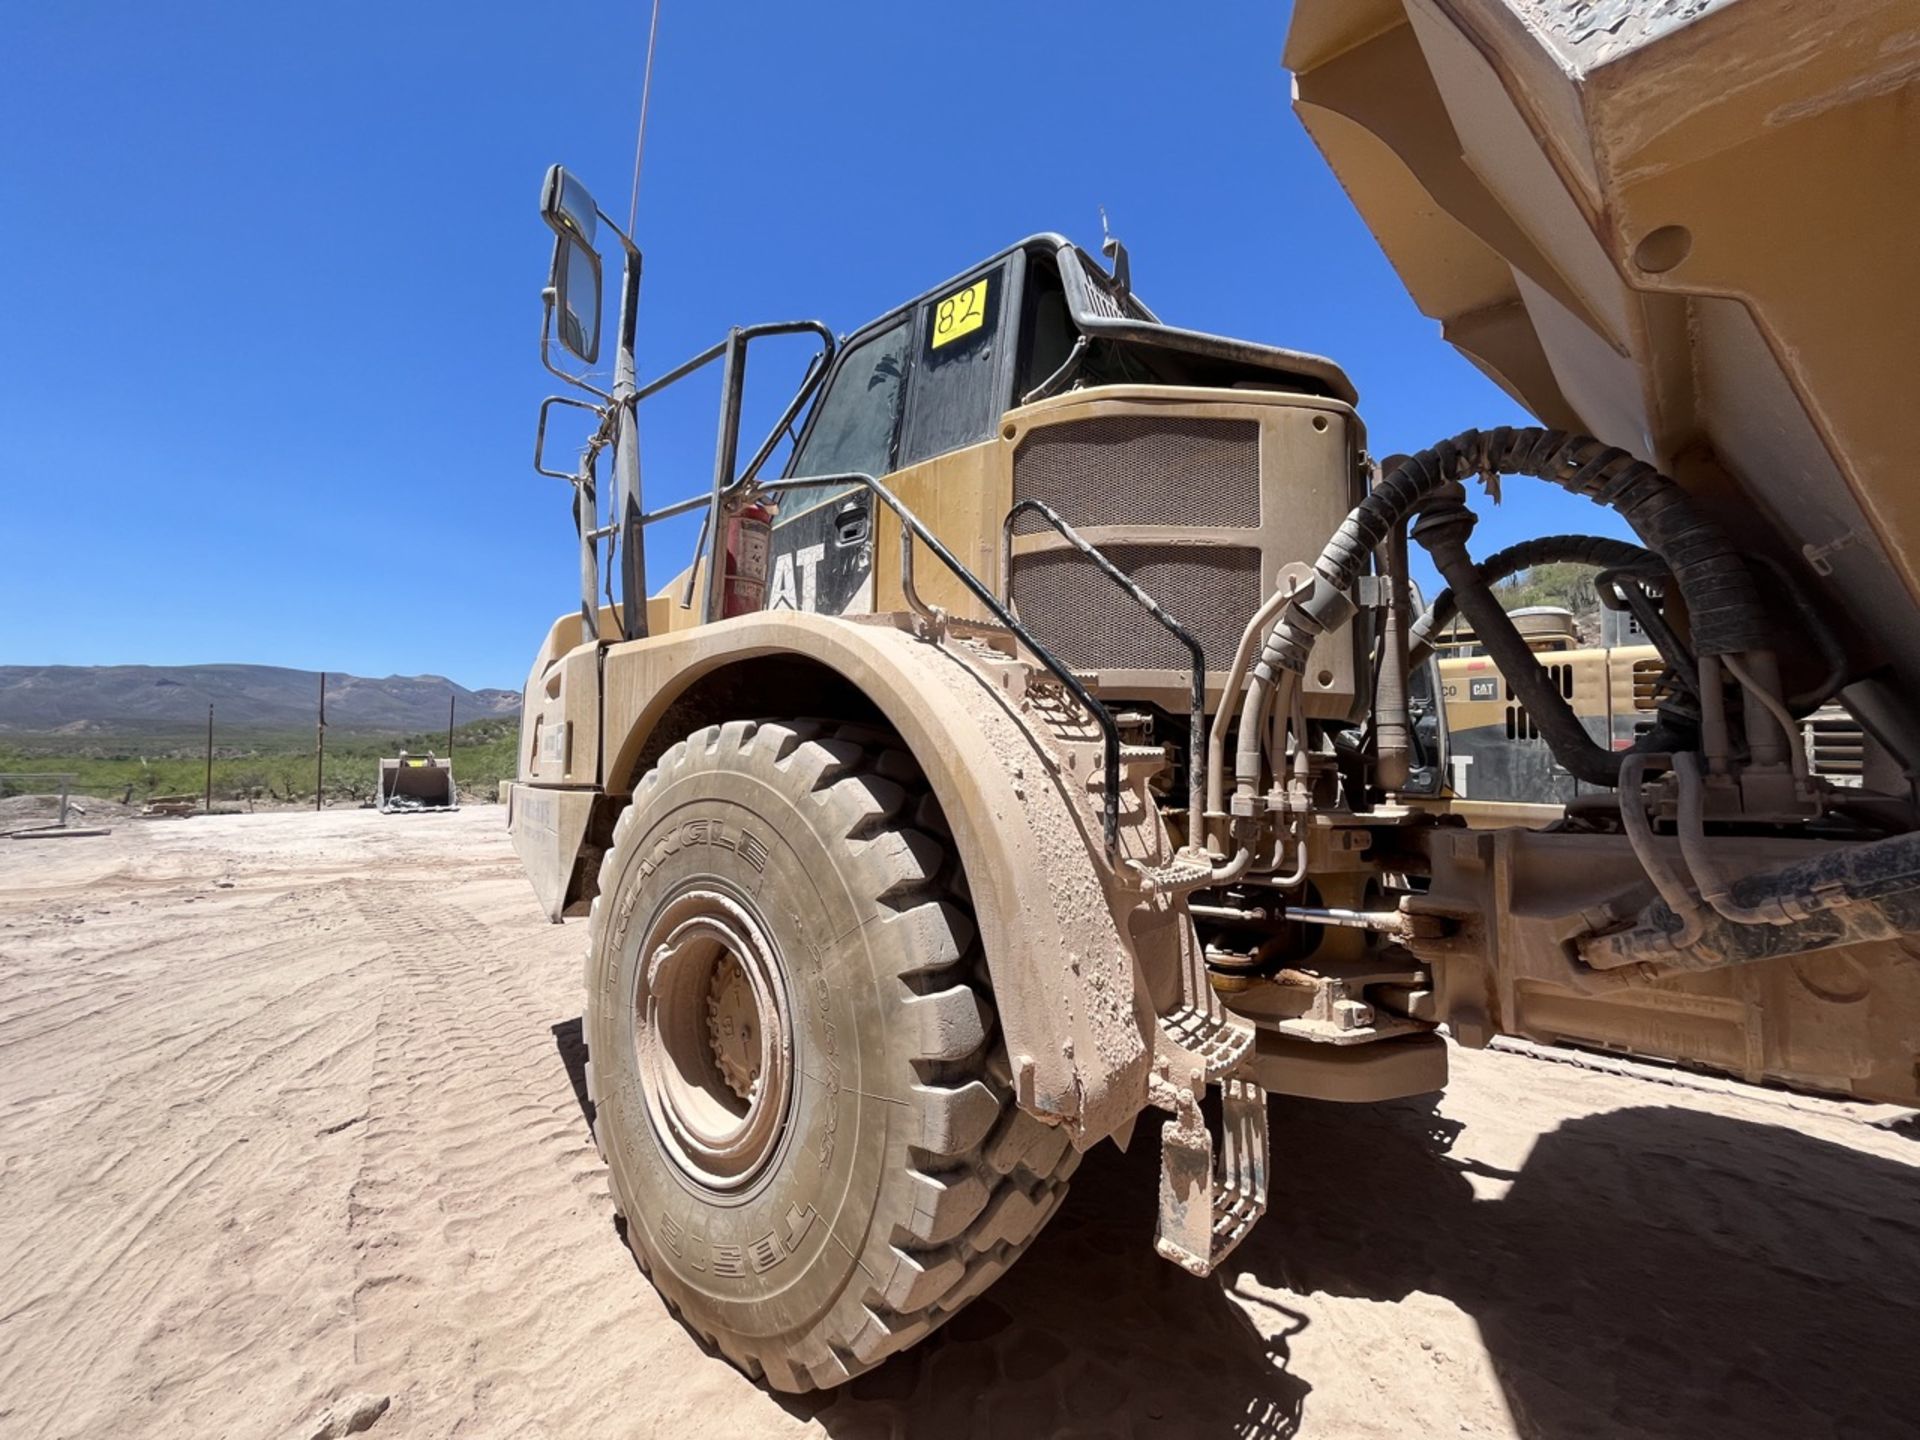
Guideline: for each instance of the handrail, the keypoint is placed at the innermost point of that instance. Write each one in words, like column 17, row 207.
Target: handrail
column 725, row 486
column 911, row 528
column 619, row 411
column 1197, row 707
column 911, row 524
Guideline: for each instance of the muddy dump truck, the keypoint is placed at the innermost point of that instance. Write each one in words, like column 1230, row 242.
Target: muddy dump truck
column 1045, row 745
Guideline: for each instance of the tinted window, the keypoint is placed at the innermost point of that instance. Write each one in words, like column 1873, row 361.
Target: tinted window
column 957, row 397
column 1050, row 329
column 854, row 423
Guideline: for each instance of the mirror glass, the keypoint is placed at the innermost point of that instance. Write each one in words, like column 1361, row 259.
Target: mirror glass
column 566, row 205
column 576, row 284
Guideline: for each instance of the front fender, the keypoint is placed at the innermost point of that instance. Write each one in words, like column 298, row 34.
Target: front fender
column 1074, row 1011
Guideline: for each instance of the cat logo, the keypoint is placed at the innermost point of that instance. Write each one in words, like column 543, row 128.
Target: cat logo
column 783, row 596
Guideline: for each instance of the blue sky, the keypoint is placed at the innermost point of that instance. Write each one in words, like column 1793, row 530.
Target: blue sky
column 268, row 377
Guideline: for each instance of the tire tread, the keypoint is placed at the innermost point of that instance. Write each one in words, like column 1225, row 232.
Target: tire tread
column 984, row 1175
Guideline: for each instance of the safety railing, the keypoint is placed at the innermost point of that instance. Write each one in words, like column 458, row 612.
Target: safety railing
column 1197, row 703
column 912, row 528
column 728, row 486
column 626, row 527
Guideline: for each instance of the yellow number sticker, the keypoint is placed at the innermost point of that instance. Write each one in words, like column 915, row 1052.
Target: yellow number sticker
column 960, row 314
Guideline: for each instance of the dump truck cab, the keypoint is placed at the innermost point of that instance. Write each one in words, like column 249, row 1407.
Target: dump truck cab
column 949, row 369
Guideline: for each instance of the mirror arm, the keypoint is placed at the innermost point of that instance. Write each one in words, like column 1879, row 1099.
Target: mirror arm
column 540, row 435
column 628, row 518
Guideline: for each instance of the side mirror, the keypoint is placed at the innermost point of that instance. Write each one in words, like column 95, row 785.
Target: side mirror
column 575, row 278
column 576, row 297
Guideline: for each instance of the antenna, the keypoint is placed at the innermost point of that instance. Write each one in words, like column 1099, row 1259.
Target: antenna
column 1116, row 254
column 640, row 139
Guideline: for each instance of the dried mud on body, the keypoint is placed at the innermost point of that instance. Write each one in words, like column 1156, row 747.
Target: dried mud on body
column 292, row 1143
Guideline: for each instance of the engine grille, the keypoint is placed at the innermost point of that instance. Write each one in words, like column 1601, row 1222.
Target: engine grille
column 1836, row 745
column 1089, row 623
column 1142, row 470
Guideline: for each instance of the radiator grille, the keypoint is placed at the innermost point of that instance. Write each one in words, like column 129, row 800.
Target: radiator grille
column 1520, row 724
column 1647, row 689
column 1089, row 623
column 1836, row 745
column 1142, row 470
column 1558, row 676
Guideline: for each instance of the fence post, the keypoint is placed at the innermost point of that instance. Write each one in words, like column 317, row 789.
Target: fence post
column 320, row 743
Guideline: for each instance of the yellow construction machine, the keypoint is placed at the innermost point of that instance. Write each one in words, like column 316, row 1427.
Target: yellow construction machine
column 1048, row 744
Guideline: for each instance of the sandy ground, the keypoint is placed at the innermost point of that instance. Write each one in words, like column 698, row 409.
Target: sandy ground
column 291, row 1119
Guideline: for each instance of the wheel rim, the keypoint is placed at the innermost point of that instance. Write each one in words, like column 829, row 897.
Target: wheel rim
column 714, row 1035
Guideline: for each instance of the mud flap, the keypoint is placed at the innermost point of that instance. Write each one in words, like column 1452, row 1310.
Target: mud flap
column 548, row 827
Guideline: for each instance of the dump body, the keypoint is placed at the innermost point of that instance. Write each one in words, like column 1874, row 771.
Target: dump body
column 1686, row 228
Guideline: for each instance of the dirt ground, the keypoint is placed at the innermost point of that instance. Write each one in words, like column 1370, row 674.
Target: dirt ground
column 291, row 1123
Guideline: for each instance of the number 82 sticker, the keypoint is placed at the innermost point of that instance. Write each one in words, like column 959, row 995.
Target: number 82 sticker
column 961, row 313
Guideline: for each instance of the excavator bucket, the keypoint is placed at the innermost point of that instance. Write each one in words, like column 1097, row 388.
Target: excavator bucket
column 417, row 782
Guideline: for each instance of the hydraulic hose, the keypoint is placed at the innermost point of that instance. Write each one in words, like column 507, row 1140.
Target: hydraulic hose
column 1845, row 896
column 1715, row 888
column 1236, row 676
column 1722, row 601
column 1670, row 884
column 1596, row 550
column 1443, row 528
column 1392, row 720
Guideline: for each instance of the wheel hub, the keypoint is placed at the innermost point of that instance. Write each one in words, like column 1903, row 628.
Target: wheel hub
column 733, row 1020
column 714, row 1035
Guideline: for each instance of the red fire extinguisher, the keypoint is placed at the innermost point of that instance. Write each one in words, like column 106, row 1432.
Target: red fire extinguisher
column 749, row 544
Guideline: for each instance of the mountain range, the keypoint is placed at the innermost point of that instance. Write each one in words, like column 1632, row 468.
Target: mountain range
column 154, row 699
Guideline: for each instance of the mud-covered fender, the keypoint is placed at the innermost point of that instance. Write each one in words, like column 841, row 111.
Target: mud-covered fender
column 1075, row 1018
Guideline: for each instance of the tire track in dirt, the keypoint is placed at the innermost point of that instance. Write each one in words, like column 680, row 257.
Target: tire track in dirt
column 156, row 1133
column 312, row 1136
column 494, row 1291
column 486, row 1251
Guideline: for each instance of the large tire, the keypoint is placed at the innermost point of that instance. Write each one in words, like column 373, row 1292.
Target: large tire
column 798, row 877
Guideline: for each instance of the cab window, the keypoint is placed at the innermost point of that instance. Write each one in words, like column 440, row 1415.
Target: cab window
column 854, row 422
column 1050, row 330
column 959, row 374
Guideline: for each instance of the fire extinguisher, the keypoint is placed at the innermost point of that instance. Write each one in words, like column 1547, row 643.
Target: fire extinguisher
column 749, row 544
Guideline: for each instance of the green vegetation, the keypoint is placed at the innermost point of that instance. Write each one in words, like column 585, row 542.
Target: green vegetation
column 1568, row 586
column 262, row 765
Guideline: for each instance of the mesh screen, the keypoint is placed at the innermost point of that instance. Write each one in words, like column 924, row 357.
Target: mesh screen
column 1089, row 623
column 1142, row 470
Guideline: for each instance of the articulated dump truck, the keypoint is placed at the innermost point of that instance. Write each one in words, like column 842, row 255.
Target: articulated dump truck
column 1052, row 741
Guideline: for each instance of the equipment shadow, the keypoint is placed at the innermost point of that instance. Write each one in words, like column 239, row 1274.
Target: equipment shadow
column 570, row 1039
column 1655, row 1271
column 1089, row 1334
